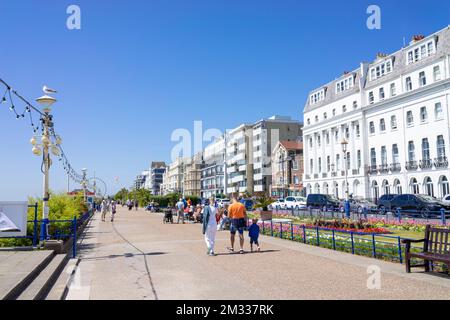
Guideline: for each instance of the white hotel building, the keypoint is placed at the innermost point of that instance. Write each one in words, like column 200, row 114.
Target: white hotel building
column 394, row 113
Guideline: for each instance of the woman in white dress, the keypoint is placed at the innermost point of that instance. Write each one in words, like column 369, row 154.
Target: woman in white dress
column 210, row 215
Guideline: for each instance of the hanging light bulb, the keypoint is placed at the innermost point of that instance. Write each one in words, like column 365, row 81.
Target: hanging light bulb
column 55, row 151
column 45, row 140
column 36, row 150
column 33, row 141
column 58, row 140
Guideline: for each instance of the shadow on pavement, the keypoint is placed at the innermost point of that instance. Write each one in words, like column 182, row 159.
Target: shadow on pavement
column 246, row 252
column 125, row 255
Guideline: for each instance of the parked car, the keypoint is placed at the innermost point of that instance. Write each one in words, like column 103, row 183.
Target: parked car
column 248, row 203
column 295, row 202
column 417, row 205
column 446, row 199
column 222, row 202
column 279, row 204
column 384, row 203
column 323, row 201
column 358, row 205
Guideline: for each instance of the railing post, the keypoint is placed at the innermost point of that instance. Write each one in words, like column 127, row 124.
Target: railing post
column 310, row 212
column 304, row 233
column 318, row 236
column 400, row 250
column 74, row 243
column 271, row 228
column 374, row 252
column 334, row 240
column 35, row 226
column 292, row 208
column 399, row 215
column 263, row 226
column 353, row 242
column 365, row 213
column 281, row 230
column 443, row 220
column 292, row 232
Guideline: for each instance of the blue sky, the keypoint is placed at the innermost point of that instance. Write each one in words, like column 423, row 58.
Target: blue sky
column 137, row 70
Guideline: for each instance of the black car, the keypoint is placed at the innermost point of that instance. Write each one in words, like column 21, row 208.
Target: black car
column 322, row 201
column 417, row 205
column 384, row 203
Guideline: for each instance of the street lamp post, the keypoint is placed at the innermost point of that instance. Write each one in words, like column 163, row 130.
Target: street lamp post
column 84, row 184
column 46, row 101
column 344, row 144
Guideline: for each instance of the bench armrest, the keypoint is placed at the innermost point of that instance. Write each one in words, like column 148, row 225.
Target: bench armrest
column 412, row 241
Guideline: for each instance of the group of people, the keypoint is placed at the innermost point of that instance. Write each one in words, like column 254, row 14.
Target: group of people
column 235, row 214
column 108, row 206
column 186, row 210
column 131, row 203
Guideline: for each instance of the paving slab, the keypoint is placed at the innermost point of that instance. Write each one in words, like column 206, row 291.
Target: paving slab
column 16, row 266
column 139, row 257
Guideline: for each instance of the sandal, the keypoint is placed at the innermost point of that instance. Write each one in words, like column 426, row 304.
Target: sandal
column 231, row 250
column 241, row 251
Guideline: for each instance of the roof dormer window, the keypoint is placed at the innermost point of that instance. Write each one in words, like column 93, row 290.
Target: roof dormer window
column 381, row 69
column 345, row 84
column 317, row 96
column 421, row 51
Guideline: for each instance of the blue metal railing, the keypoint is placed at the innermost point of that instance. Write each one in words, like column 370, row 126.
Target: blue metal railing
column 375, row 245
column 63, row 230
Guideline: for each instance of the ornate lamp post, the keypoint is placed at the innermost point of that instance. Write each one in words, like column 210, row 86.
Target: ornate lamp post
column 46, row 101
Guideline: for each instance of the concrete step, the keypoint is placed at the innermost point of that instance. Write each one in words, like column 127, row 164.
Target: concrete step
column 42, row 284
column 18, row 269
column 61, row 286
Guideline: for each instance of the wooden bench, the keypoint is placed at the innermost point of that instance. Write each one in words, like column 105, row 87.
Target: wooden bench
column 436, row 247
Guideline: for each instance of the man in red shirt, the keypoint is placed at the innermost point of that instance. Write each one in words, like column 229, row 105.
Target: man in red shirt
column 237, row 214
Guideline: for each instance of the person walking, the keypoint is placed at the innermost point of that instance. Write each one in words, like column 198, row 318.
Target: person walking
column 104, row 209
column 113, row 210
column 253, row 233
column 180, row 209
column 237, row 214
column 210, row 217
column 136, row 204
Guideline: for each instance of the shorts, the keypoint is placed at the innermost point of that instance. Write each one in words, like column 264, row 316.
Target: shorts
column 237, row 225
column 254, row 240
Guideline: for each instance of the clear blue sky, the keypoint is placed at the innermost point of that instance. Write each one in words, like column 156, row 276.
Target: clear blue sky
column 137, row 70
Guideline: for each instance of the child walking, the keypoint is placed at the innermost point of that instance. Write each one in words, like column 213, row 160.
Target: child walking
column 253, row 233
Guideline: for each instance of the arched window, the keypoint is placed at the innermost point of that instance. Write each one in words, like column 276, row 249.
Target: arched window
column 317, row 188
column 445, row 189
column 414, row 186
column 428, row 186
column 325, row 188
column 336, row 189
column 397, row 187
column 375, row 191
column 386, row 187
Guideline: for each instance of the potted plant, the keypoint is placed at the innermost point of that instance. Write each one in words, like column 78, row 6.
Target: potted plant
column 263, row 203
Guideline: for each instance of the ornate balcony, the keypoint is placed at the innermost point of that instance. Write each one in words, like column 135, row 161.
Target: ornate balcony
column 411, row 165
column 425, row 164
column 384, row 168
column 372, row 169
column 395, row 167
column 441, row 162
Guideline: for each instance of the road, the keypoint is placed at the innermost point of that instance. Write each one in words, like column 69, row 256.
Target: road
column 139, row 257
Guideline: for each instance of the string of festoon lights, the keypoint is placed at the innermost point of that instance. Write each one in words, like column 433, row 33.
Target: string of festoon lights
column 53, row 140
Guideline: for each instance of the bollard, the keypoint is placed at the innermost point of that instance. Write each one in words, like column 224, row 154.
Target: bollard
column 353, row 242
column 292, row 232
column 374, row 252
column 281, row 230
column 44, row 223
column 334, row 240
column 318, row 237
column 444, row 222
column 304, row 233
column 399, row 215
column 271, row 228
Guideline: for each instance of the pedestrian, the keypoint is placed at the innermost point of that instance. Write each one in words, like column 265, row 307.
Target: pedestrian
column 237, row 214
column 129, row 204
column 253, row 233
column 180, row 209
column 210, row 217
column 224, row 219
column 136, row 204
column 104, row 209
column 113, row 210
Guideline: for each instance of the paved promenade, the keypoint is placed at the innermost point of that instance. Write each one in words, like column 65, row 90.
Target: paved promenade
column 138, row 257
